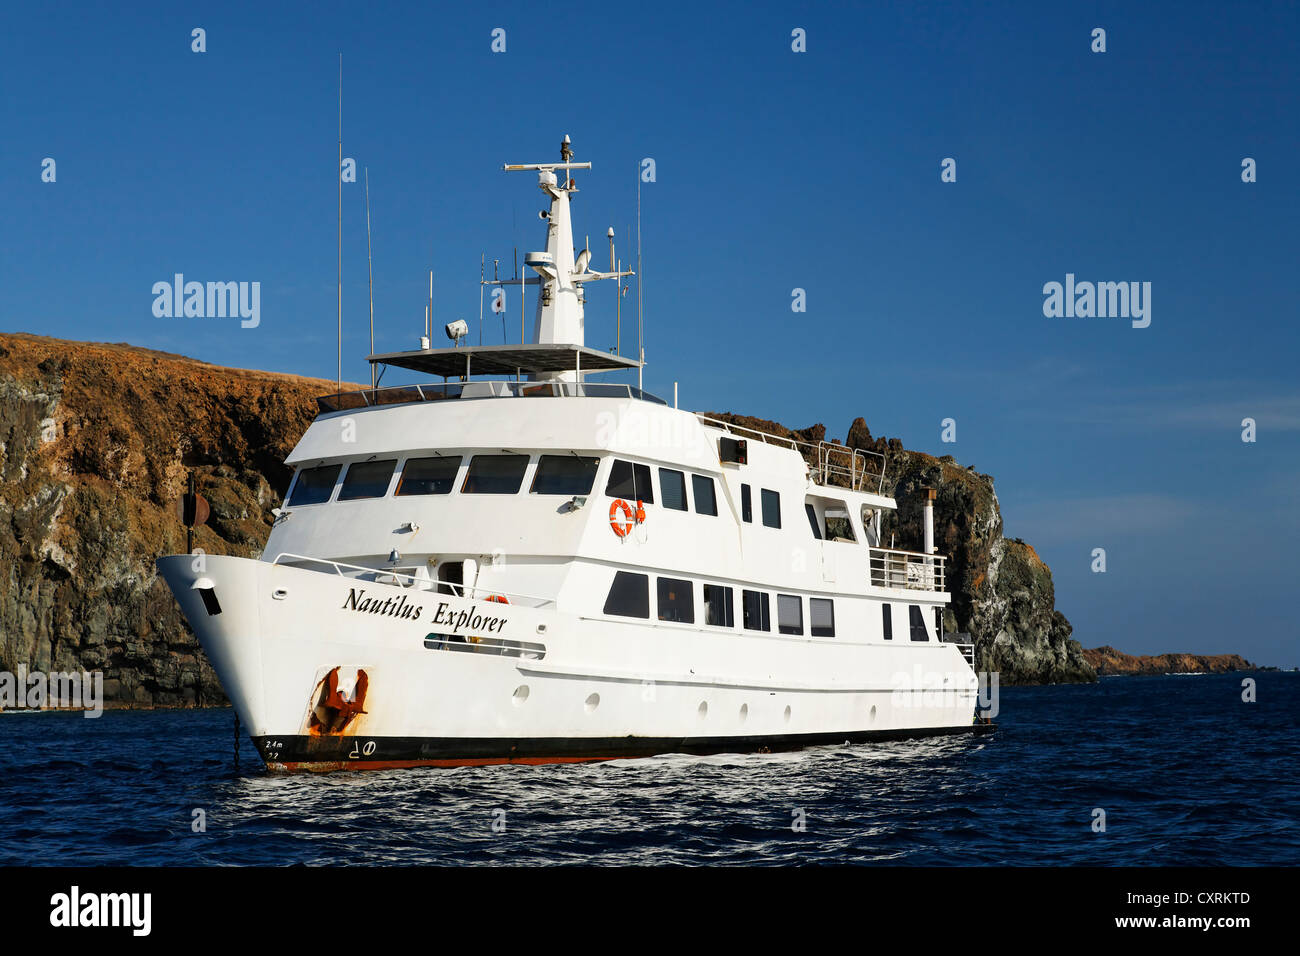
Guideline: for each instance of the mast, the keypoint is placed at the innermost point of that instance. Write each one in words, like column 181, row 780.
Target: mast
column 370, row 268
column 559, row 316
column 338, row 172
column 640, row 333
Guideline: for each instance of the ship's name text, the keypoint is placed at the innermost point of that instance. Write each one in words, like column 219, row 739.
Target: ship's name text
column 443, row 614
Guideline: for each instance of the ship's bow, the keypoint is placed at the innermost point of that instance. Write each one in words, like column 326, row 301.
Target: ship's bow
column 221, row 598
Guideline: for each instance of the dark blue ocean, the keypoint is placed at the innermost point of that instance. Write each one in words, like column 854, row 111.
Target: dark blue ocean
column 1185, row 771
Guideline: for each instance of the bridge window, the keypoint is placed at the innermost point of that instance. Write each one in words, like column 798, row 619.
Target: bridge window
column 821, row 617
column 887, row 619
column 916, row 620
column 564, row 475
column 672, row 485
column 789, row 614
column 629, row 595
column 717, row 606
column 676, row 600
column 367, row 479
column 771, row 508
column 756, row 610
column 746, row 504
column 314, row 485
column 495, row 474
column 627, row 480
column 706, row 499
column 428, row 476
column 812, row 519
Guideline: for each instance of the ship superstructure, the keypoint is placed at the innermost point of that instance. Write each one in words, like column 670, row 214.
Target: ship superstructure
column 517, row 562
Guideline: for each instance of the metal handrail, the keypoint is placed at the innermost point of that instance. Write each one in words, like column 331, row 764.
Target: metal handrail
column 406, row 394
column 458, row 590
column 823, row 468
column 910, row 570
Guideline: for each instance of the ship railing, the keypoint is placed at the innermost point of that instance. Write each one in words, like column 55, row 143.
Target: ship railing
column 829, row 463
column 407, row 394
column 413, row 581
column 967, row 651
column 911, row 570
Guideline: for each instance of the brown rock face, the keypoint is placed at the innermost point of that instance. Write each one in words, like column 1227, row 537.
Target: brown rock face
column 1108, row 661
column 1002, row 591
column 95, row 445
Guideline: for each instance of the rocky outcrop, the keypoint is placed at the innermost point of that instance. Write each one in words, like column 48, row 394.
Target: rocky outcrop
column 96, row 442
column 1002, row 591
column 1107, row 661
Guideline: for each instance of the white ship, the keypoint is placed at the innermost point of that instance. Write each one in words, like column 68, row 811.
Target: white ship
column 517, row 564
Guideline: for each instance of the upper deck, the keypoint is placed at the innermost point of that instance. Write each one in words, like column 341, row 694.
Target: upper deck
column 829, row 463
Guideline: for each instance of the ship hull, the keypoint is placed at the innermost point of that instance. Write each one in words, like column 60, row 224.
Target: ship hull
column 318, row 754
column 328, row 673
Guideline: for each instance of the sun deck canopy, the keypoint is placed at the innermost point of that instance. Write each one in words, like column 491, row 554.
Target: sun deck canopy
column 506, row 360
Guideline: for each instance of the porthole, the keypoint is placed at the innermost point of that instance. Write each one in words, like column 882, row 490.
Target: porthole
column 744, row 712
column 703, row 709
column 592, row 703
column 787, row 713
column 520, row 695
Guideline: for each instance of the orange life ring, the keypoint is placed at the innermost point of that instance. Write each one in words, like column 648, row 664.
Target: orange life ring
column 500, row 598
column 621, row 528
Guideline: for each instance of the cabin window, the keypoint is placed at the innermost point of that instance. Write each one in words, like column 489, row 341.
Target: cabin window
column 887, row 620
column 314, row 485
column 812, row 519
column 367, row 479
column 564, row 475
column 627, row 480
column 428, row 476
column 676, row 601
column 706, row 499
column 756, row 612
column 672, row 486
column 495, row 474
column 789, row 614
column 717, row 606
column 629, row 595
column 821, row 617
column 746, row 504
column 916, row 620
column 838, row 525
column 771, row 508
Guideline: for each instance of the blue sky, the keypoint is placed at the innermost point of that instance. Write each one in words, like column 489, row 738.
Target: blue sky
column 775, row 170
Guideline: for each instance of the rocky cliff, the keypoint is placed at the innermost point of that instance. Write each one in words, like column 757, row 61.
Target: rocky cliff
column 1107, row 661
column 1002, row 591
column 96, row 442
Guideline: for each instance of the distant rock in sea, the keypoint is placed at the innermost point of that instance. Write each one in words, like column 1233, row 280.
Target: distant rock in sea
column 1108, row 662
